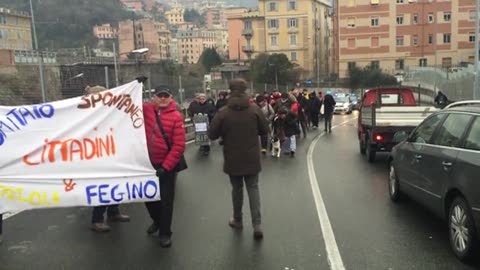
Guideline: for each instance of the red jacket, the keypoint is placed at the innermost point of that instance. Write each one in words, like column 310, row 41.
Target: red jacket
column 172, row 122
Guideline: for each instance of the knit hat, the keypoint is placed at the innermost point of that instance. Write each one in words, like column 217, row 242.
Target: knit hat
column 238, row 85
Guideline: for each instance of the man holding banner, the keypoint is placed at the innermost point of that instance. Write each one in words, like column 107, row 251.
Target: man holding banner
column 113, row 211
column 84, row 151
column 165, row 134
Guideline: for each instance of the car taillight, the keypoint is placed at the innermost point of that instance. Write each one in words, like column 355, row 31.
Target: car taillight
column 378, row 138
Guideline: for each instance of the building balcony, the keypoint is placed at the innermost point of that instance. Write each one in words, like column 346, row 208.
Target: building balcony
column 247, row 49
column 247, row 32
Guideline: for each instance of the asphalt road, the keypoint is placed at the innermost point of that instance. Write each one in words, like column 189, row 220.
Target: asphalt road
column 370, row 231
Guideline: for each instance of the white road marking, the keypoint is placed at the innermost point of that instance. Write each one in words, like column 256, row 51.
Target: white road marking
column 9, row 215
column 334, row 258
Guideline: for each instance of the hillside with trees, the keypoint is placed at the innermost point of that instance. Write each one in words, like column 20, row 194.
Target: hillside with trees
column 68, row 23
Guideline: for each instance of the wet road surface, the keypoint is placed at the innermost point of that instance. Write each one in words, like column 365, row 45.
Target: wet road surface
column 370, row 231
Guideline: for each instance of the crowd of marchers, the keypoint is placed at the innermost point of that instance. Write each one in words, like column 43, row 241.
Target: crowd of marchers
column 289, row 114
column 246, row 126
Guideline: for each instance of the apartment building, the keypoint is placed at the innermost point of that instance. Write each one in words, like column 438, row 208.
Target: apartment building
column 15, row 30
column 192, row 42
column 146, row 34
column 104, row 31
column 175, row 15
column 297, row 28
column 395, row 34
column 215, row 17
column 235, row 28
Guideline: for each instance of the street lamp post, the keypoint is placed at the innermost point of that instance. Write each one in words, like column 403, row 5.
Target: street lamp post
column 40, row 62
column 276, row 75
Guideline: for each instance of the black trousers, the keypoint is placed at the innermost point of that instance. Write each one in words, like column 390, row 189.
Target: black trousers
column 99, row 212
column 314, row 118
column 328, row 121
column 161, row 211
column 1, row 224
column 264, row 141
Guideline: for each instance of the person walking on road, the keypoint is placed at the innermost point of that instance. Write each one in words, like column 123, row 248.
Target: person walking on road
column 222, row 100
column 202, row 106
column 113, row 211
column 329, row 107
column 314, row 105
column 240, row 124
column 165, row 134
column 269, row 114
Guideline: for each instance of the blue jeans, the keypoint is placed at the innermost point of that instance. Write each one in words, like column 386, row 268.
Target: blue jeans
column 290, row 144
column 99, row 212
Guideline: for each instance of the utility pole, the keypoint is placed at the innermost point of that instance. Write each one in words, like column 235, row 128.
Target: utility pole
column 107, row 84
column 317, row 45
column 476, row 94
column 115, row 63
column 40, row 62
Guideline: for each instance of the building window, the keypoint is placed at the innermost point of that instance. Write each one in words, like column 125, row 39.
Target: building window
column 415, row 40
column 274, row 40
column 351, row 65
column 375, row 42
column 399, row 64
column 431, row 18
column 430, row 39
column 3, row 19
column 272, row 6
column 400, row 20
column 292, row 23
column 374, row 21
column 293, row 39
column 400, row 41
column 447, row 16
column 292, row 5
column 471, row 15
column 375, row 64
column 422, row 62
column 351, row 43
column 351, row 22
column 293, row 56
column 273, row 23
column 415, row 18
column 446, row 62
column 447, row 38
column 471, row 37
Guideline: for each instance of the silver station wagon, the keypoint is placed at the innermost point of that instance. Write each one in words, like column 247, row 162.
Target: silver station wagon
column 438, row 165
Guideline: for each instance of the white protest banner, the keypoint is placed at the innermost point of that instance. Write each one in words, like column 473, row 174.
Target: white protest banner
column 89, row 150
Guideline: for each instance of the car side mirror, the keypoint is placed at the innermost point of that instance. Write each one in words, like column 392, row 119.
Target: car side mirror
column 400, row 136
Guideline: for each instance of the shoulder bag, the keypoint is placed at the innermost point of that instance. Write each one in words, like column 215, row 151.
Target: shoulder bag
column 182, row 163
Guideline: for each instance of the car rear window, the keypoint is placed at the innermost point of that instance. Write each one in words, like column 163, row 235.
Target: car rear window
column 391, row 99
column 472, row 141
column 452, row 130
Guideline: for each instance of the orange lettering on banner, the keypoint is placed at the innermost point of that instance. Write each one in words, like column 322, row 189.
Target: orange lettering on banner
column 122, row 102
column 72, row 150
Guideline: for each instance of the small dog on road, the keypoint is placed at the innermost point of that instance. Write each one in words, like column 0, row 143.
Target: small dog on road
column 276, row 147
